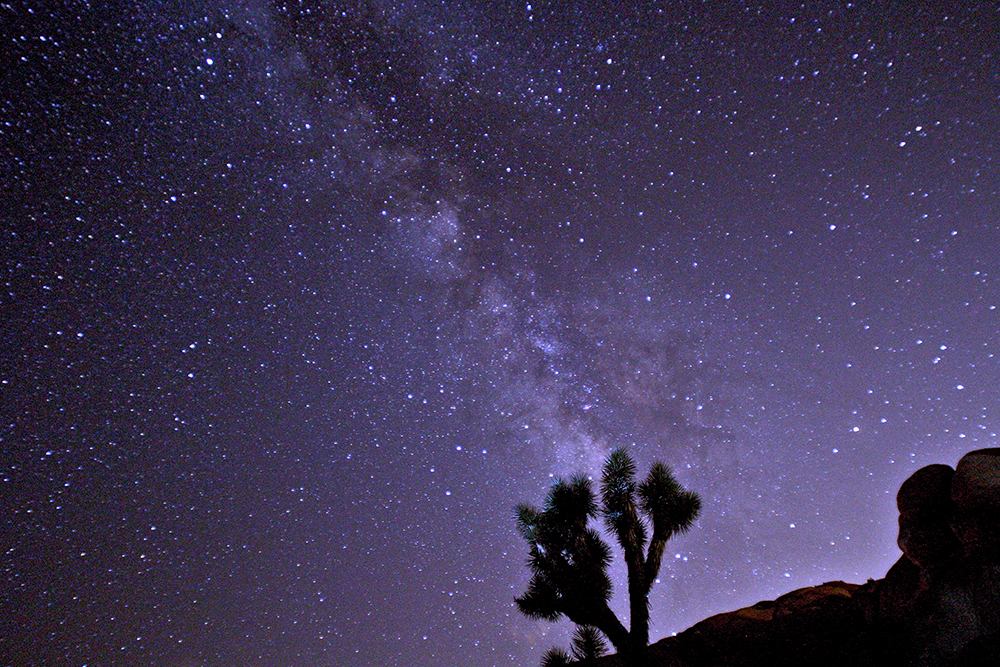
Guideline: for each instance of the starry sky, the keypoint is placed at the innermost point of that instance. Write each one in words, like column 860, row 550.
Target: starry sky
column 300, row 299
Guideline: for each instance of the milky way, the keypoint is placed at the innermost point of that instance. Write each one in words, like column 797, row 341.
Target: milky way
column 302, row 299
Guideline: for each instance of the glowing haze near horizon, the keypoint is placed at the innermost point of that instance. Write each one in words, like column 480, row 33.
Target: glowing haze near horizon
column 301, row 299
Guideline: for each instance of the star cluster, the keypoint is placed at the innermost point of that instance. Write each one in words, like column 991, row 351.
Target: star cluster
column 302, row 298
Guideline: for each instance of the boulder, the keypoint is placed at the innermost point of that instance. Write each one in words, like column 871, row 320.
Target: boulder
column 926, row 512
column 948, row 527
column 895, row 594
column 976, row 496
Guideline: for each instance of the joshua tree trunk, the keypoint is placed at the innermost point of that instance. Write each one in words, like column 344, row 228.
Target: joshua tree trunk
column 638, row 597
column 638, row 617
column 615, row 632
column 641, row 582
column 605, row 621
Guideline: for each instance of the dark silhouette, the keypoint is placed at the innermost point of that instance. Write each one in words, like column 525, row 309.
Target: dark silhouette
column 588, row 643
column 555, row 657
column 938, row 606
column 569, row 560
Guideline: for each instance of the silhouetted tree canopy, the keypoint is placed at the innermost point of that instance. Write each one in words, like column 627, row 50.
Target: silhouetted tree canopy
column 569, row 560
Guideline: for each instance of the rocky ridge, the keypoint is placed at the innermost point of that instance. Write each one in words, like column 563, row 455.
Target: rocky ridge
column 938, row 606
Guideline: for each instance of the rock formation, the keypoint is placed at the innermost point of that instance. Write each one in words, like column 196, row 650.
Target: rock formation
column 938, row 606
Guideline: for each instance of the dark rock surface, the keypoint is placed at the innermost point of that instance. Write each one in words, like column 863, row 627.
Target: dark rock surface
column 938, row 606
column 925, row 511
column 976, row 495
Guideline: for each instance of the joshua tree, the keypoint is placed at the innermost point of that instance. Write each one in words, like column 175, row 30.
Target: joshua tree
column 569, row 560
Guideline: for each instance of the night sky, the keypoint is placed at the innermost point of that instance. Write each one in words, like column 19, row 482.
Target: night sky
column 301, row 299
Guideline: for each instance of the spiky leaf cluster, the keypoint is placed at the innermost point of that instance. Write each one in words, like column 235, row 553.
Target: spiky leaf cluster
column 568, row 560
column 555, row 657
column 666, row 503
column 618, row 493
column 588, row 642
